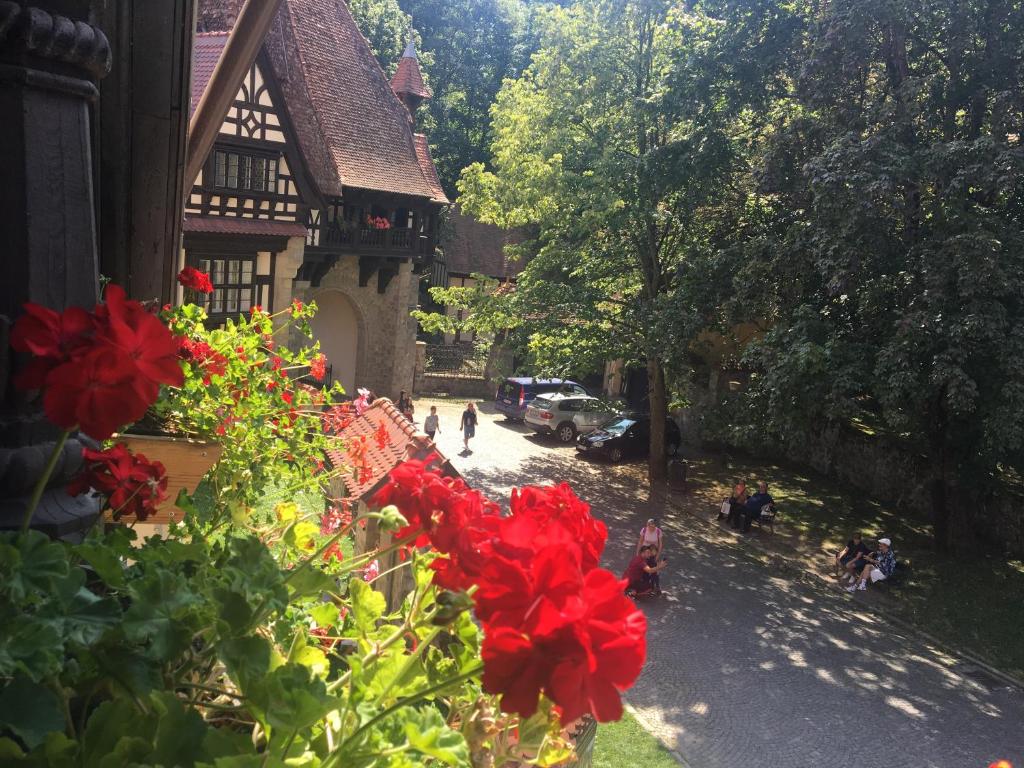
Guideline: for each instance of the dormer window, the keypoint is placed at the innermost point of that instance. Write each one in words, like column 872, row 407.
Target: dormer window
column 244, row 171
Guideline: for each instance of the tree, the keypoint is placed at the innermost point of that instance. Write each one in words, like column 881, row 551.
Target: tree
column 893, row 255
column 386, row 27
column 472, row 46
column 619, row 150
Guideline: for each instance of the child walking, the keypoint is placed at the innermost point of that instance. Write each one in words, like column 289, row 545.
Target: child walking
column 430, row 424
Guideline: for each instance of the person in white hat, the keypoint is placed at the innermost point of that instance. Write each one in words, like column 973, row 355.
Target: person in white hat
column 880, row 565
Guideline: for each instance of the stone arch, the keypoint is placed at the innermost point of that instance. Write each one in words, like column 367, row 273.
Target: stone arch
column 339, row 327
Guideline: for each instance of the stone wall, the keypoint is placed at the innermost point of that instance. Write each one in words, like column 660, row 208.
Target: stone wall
column 471, row 387
column 387, row 334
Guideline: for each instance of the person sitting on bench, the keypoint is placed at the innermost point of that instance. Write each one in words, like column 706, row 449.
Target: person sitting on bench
column 878, row 566
column 850, row 561
column 757, row 502
column 734, row 505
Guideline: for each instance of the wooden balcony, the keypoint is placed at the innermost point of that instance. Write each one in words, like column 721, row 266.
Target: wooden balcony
column 332, row 236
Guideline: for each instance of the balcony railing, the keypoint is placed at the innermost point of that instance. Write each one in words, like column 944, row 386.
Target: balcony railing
column 393, row 239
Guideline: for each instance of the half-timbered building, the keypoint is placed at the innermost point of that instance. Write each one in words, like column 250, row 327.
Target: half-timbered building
column 318, row 188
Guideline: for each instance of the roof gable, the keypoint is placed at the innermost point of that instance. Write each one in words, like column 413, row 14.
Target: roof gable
column 470, row 246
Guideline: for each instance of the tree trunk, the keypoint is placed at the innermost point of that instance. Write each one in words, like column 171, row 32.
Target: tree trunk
column 658, row 462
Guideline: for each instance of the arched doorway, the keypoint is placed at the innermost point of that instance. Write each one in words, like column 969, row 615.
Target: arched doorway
column 336, row 327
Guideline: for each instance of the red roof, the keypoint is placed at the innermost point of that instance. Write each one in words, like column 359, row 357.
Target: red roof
column 472, row 246
column 205, row 55
column 236, row 225
column 429, row 169
column 407, row 78
column 400, row 434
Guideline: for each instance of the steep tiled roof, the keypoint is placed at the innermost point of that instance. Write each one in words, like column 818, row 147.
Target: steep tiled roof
column 408, row 78
column 352, row 129
column 400, row 434
column 427, row 166
column 205, row 54
column 236, row 225
column 472, row 246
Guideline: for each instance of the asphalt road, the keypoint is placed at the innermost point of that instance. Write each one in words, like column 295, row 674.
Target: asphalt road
column 746, row 668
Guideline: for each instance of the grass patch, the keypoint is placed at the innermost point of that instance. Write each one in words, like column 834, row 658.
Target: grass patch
column 626, row 743
column 971, row 601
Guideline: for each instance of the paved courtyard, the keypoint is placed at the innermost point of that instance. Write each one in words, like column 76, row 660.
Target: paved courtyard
column 749, row 669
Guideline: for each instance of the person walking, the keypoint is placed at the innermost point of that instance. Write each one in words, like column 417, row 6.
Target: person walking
column 431, row 424
column 468, row 426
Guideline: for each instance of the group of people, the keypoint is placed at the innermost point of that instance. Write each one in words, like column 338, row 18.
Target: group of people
column 432, row 423
column 859, row 566
column 642, row 572
column 742, row 508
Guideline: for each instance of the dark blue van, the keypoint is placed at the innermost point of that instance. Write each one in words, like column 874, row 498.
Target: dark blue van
column 515, row 393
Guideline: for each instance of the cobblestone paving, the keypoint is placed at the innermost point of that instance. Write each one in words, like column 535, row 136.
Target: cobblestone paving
column 746, row 669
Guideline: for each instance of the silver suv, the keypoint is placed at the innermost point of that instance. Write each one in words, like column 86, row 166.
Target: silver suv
column 567, row 416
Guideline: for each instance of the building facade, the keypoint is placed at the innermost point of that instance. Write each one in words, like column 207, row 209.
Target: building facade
column 318, row 188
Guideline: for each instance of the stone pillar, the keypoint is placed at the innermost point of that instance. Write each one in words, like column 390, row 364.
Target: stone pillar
column 49, row 65
column 421, row 367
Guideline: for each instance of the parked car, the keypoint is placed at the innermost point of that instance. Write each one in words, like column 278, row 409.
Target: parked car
column 516, row 393
column 627, row 436
column 567, row 416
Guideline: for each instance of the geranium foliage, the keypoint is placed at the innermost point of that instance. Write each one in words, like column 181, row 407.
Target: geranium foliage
column 241, row 639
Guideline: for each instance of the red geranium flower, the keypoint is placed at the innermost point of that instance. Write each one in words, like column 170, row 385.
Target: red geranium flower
column 98, row 393
column 132, row 484
column 318, row 367
column 190, row 277
column 52, row 338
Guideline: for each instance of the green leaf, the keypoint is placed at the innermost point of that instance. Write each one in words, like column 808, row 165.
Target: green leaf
column 428, row 733
column 161, row 601
column 368, row 605
column 31, row 644
column 325, row 614
column 104, row 561
column 106, row 735
column 291, row 698
column 88, row 617
column 30, row 710
column 310, row 582
column 247, row 659
column 39, row 563
column 180, row 732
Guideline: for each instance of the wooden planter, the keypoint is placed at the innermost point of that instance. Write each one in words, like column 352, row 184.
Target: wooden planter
column 186, row 461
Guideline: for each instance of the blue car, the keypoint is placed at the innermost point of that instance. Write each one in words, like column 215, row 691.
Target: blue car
column 515, row 393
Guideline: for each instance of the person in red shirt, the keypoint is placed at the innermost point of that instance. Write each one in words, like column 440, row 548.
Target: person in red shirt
column 639, row 575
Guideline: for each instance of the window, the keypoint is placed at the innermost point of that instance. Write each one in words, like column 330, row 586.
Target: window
column 234, row 284
column 571, row 405
column 238, row 170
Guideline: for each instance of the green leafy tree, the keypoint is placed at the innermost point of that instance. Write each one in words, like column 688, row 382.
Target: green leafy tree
column 386, row 27
column 620, row 151
column 890, row 262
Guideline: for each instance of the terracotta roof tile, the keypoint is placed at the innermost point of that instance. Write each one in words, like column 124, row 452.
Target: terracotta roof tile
column 429, row 169
column 235, row 225
column 205, row 54
column 472, row 246
column 408, row 78
column 401, row 432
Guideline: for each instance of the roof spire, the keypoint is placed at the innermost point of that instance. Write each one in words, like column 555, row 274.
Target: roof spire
column 408, row 82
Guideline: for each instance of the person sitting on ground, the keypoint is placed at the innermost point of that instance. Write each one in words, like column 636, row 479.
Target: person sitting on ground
column 638, row 573
column 650, row 535
column 850, row 561
column 736, row 503
column 878, row 566
column 755, row 504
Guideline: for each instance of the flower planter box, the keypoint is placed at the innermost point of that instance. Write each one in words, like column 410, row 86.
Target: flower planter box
column 186, row 461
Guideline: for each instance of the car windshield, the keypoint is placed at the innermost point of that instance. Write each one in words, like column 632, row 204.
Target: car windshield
column 618, row 426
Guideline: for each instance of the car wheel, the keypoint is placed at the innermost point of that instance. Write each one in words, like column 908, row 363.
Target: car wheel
column 566, row 432
column 615, row 454
column 672, row 449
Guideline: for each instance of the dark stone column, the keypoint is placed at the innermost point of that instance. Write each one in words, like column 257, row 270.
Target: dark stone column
column 49, row 65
